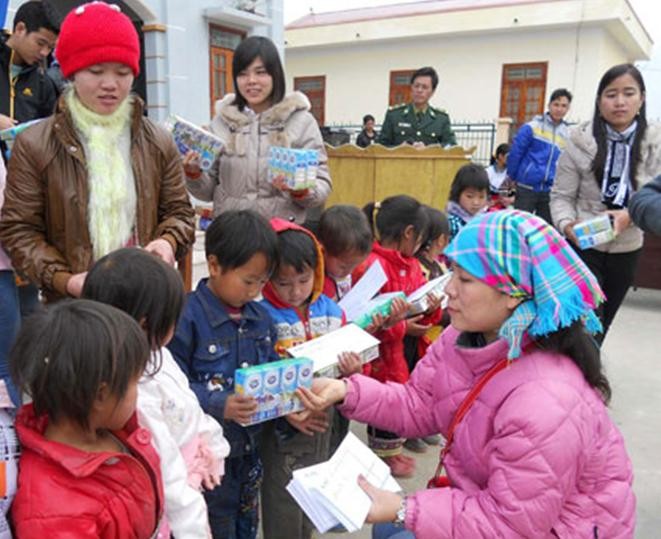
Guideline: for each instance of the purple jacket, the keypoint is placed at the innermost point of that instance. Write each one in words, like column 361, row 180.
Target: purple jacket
column 536, row 455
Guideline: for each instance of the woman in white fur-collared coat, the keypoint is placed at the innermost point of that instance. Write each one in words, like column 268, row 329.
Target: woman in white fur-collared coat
column 249, row 122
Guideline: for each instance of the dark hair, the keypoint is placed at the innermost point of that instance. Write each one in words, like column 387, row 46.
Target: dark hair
column 298, row 250
column 599, row 124
column 426, row 72
column 575, row 343
column 470, row 175
column 390, row 219
column 63, row 354
column 36, row 15
column 235, row 236
column 141, row 285
column 438, row 226
column 560, row 92
column 502, row 149
column 344, row 228
column 367, row 118
column 245, row 54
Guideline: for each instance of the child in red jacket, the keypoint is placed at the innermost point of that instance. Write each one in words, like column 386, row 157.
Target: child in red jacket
column 399, row 224
column 87, row 468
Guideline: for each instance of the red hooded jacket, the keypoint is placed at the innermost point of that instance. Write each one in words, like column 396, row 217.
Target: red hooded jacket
column 404, row 275
column 64, row 492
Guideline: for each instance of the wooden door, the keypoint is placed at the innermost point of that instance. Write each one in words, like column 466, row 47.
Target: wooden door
column 222, row 43
column 400, row 87
column 523, row 91
column 315, row 89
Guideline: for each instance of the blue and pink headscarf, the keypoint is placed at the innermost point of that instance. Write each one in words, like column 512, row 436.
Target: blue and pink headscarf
column 522, row 256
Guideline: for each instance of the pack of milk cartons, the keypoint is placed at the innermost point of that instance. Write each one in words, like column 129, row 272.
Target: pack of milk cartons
column 188, row 136
column 297, row 166
column 594, row 231
column 274, row 385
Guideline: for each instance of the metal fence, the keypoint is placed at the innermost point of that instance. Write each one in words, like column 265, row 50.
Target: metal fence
column 481, row 135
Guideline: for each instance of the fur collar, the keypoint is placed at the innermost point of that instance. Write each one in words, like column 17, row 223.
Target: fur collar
column 277, row 115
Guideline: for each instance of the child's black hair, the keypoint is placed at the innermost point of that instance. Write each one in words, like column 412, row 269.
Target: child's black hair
column 143, row 286
column 469, row 176
column 502, row 149
column 235, row 236
column 344, row 228
column 438, row 226
column 390, row 217
column 298, row 250
column 63, row 354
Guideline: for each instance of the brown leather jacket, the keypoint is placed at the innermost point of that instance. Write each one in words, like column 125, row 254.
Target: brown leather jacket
column 43, row 226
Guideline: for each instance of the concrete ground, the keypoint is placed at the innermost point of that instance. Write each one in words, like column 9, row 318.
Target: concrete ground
column 632, row 357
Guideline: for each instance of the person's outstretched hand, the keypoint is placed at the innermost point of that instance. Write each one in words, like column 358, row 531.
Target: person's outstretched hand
column 621, row 220
column 385, row 504
column 325, row 393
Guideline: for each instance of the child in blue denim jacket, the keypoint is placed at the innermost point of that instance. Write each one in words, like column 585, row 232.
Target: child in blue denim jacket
column 221, row 330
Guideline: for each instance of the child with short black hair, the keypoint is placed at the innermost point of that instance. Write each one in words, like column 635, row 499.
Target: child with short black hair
column 190, row 443
column 87, row 468
column 468, row 196
column 294, row 299
column 221, row 330
column 346, row 238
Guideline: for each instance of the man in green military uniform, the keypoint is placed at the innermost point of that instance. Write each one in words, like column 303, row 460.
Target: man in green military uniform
column 418, row 123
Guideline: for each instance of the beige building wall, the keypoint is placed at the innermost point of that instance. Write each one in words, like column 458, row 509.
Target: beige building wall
column 468, row 47
column 470, row 69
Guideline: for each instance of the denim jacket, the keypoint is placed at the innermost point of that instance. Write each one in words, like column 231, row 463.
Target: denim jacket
column 208, row 345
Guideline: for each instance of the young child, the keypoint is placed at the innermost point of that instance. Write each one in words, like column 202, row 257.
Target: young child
column 429, row 256
column 294, row 299
column 431, row 251
column 189, row 442
column 497, row 169
column 87, row 468
column 468, row 196
column 399, row 225
column 221, row 330
column 346, row 238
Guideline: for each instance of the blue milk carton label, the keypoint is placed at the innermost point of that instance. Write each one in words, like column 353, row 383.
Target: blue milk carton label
column 289, row 386
column 188, row 136
column 270, row 403
column 594, row 231
column 273, row 385
column 312, row 165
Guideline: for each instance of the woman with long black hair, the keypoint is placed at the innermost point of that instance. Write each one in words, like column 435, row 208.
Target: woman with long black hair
column 604, row 163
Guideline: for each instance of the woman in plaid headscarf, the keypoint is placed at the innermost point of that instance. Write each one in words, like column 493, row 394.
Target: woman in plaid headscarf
column 535, row 454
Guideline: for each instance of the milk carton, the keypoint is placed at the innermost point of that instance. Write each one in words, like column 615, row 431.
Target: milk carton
column 594, row 231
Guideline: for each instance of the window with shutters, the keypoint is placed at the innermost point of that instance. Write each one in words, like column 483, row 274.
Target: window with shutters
column 400, row 87
column 523, row 91
column 315, row 89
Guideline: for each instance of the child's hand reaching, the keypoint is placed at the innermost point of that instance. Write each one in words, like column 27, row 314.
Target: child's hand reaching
column 349, row 363
column 434, row 302
column 415, row 328
column 211, row 481
column 240, row 408
column 399, row 310
column 308, row 422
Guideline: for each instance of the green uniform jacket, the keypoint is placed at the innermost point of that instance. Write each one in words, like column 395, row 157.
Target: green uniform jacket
column 402, row 125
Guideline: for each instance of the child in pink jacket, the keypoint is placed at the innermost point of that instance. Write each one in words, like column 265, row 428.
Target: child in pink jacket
column 536, row 454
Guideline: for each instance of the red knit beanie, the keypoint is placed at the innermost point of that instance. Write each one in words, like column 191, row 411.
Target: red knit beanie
column 96, row 33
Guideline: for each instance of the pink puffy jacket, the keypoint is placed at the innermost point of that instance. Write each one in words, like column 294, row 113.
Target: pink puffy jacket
column 536, row 455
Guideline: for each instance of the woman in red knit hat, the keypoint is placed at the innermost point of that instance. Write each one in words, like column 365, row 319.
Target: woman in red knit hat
column 97, row 175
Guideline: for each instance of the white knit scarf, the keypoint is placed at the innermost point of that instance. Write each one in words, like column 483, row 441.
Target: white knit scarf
column 112, row 199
